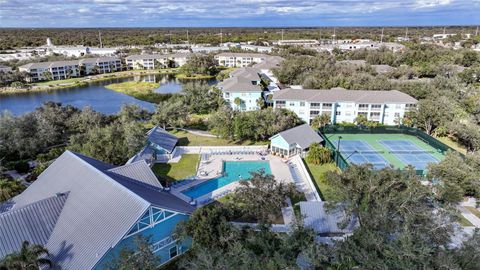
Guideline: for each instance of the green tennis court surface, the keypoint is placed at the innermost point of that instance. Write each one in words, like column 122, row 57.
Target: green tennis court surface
column 384, row 150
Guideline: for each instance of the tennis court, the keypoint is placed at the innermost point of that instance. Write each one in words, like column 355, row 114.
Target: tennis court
column 359, row 152
column 409, row 153
column 384, row 150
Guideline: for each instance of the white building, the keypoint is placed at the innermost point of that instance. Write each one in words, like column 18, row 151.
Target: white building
column 298, row 42
column 59, row 70
column 79, row 51
column 239, row 59
column 243, row 86
column 386, row 107
column 395, row 47
column 255, row 48
column 156, row 61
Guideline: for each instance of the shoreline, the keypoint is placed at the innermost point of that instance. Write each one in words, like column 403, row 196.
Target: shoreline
column 82, row 81
column 140, row 90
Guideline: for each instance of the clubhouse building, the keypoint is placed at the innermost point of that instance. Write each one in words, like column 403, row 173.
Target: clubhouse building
column 85, row 212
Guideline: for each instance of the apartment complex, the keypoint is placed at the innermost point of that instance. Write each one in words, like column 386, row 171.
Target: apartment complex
column 59, row 70
column 156, row 61
column 239, row 59
column 243, row 89
column 342, row 105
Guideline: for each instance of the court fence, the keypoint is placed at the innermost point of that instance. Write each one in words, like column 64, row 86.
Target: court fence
column 341, row 161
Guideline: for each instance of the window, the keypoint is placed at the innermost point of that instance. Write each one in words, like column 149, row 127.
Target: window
column 173, row 252
column 397, row 114
column 338, row 113
column 314, row 105
column 302, row 103
column 327, row 105
column 291, row 104
column 376, row 106
column 363, row 106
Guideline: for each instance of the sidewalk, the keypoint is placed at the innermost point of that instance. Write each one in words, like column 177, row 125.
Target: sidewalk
column 469, row 216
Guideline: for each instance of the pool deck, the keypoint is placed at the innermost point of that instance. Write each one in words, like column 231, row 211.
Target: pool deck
column 211, row 167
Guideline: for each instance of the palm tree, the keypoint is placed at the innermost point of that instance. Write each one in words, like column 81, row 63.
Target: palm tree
column 320, row 121
column 29, row 257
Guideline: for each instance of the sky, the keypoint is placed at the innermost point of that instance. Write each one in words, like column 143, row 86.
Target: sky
column 236, row 13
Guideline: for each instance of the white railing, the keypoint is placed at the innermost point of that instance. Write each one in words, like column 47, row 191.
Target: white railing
column 162, row 243
column 305, row 175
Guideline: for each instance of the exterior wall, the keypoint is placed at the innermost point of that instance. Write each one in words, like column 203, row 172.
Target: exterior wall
column 156, row 62
column 233, row 61
column 60, row 72
column 278, row 145
column 159, row 236
column 249, row 100
column 387, row 114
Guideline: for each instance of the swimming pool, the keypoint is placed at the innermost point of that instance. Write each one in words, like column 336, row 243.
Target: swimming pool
column 233, row 171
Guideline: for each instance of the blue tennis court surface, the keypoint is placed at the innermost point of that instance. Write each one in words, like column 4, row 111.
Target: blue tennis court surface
column 360, row 152
column 409, row 153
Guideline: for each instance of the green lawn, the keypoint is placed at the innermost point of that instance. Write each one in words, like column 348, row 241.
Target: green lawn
column 453, row 144
column 193, row 77
column 473, row 210
column 187, row 166
column 139, row 90
column 57, row 82
column 318, row 173
column 186, row 138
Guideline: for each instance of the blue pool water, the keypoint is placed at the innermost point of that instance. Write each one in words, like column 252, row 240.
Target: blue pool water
column 233, row 171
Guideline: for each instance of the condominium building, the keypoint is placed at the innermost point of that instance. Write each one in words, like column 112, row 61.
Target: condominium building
column 239, row 59
column 59, row 70
column 156, row 61
column 243, row 89
column 386, row 107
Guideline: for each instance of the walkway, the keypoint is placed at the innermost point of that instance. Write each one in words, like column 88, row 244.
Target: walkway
column 469, row 216
column 199, row 132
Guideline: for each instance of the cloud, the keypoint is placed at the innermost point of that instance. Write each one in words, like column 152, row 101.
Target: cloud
column 118, row 13
column 431, row 3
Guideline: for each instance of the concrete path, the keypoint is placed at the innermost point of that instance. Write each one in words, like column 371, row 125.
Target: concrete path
column 288, row 214
column 469, row 216
column 198, row 132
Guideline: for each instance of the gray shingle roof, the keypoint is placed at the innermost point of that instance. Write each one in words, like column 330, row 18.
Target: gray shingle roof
column 247, row 73
column 253, row 55
column 270, row 62
column 162, row 138
column 239, row 84
column 339, row 95
column 302, row 135
column 37, row 221
column 100, row 209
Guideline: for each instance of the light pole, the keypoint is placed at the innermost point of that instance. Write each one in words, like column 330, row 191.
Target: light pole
column 338, row 149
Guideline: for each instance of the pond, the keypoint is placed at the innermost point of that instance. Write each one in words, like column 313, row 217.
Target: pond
column 94, row 95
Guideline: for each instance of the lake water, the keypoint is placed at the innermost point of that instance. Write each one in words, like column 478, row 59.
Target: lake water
column 94, row 95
